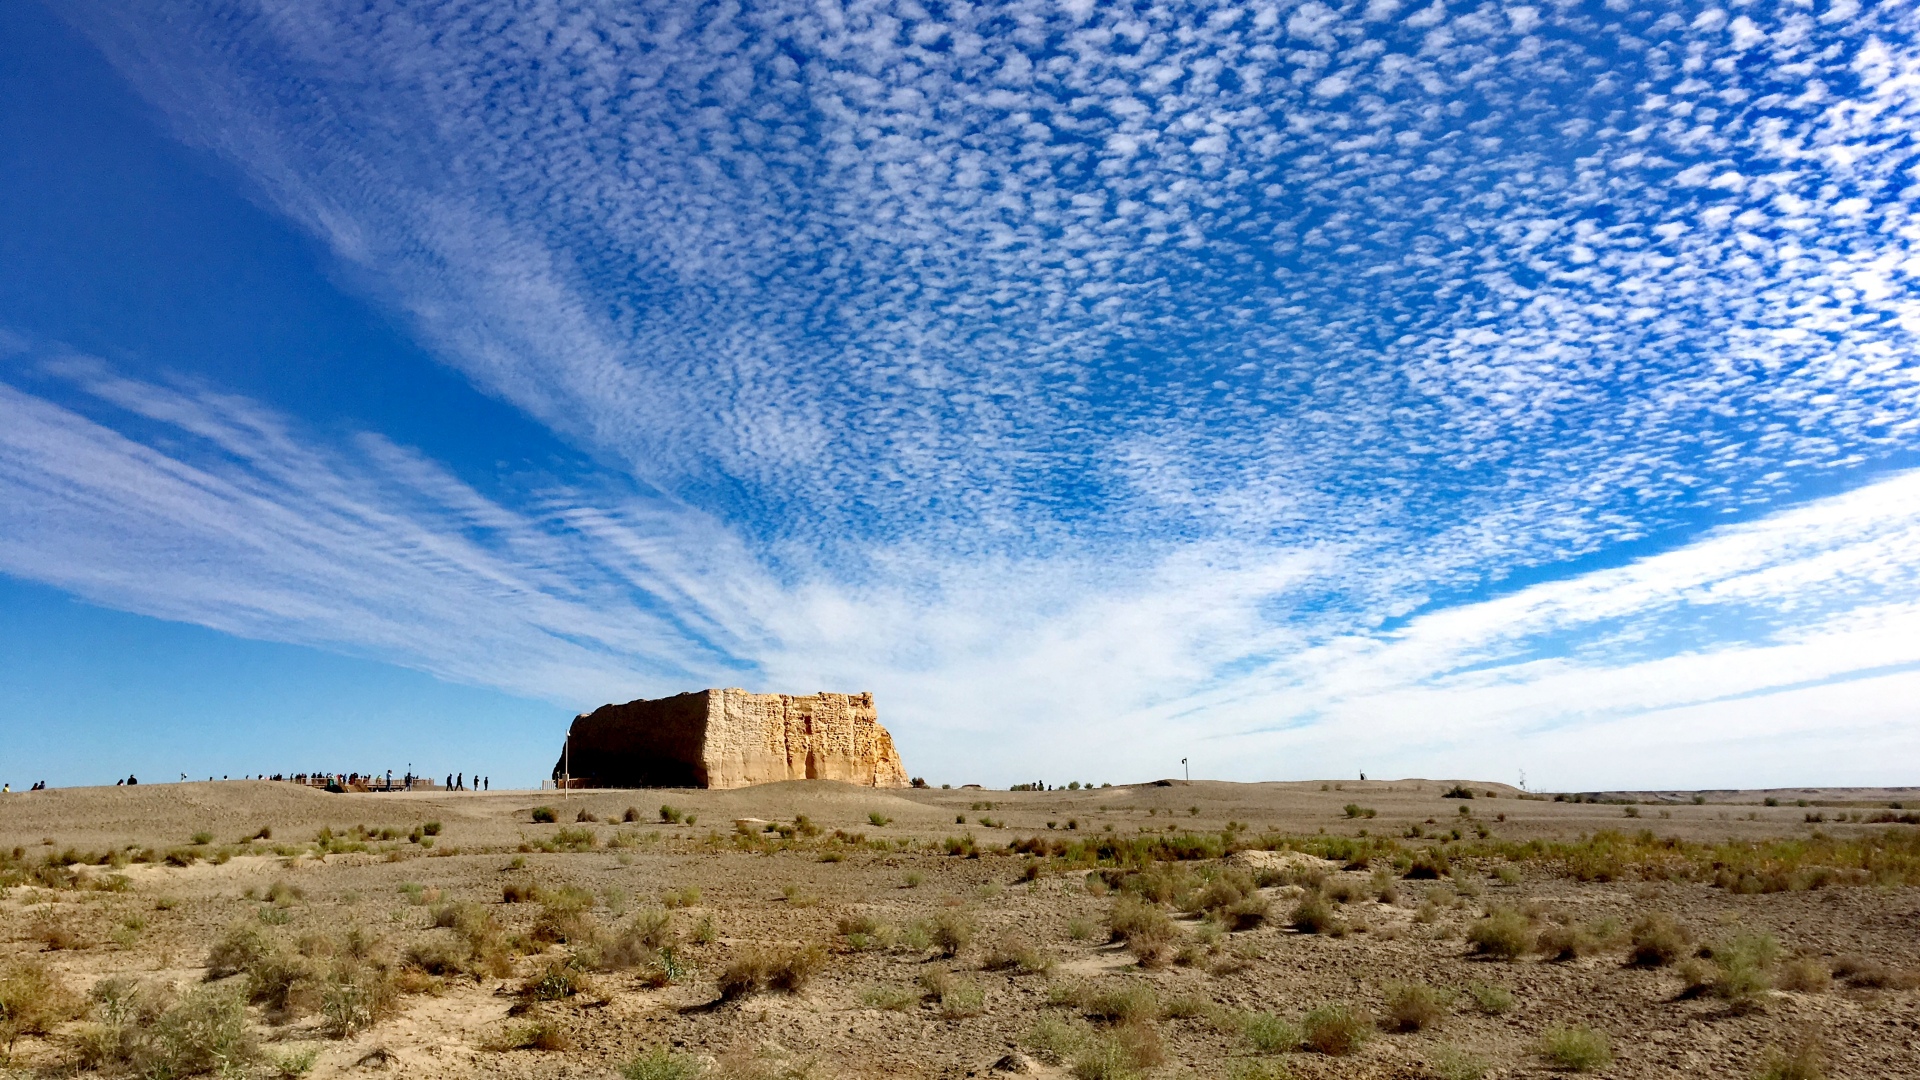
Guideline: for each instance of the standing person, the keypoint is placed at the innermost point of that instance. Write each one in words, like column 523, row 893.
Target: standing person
column 486, row 783
column 459, row 781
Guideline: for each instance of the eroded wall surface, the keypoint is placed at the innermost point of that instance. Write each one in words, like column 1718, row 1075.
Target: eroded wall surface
column 731, row 738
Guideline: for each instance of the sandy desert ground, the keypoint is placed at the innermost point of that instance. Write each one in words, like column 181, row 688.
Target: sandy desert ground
column 1373, row 929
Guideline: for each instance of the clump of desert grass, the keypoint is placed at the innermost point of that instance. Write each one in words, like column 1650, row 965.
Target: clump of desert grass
column 1314, row 914
column 1414, row 1006
column 784, row 968
column 1503, row 933
column 1657, row 939
column 150, row 1031
column 1737, row 969
column 1146, row 929
column 1577, row 1048
column 1336, row 1030
column 346, row 978
column 1015, row 952
column 1802, row 1059
column 660, row 1063
column 955, row 997
column 33, row 998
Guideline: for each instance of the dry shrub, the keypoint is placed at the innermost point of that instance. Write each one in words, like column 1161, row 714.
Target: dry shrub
column 1147, row 931
column 1123, row 1005
column 1873, row 975
column 639, row 942
column 1742, row 970
column 890, row 998
column 143, row 1030
column 1504, row 933
column 1806, row 975
column 538, row 1034
column 661, row 1063
column 951, row 931
column 1804, row 1059
column 1011, row 951
column 1415, row 1007
column 1658, row 940
column 956, row 997
column 558, row 980
column 565, row 916
column 54, row 933
column 1314, row 915
column 33, row 998
column 1429, row 864
column 1267, row 1033
column 1576, row 1049
column 1489, row 999
column 788, row 969
column 357, row 993
column 1336, row 1030
column 516, row 892
column 1567, row 941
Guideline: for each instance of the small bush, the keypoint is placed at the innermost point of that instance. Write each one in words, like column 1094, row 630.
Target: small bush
column 1132, row 1003
column 559, row 980
column 585, row 815
column 1743, row 969
column 1457, row 791
column 959, row 998
column 531, row 1035
column 1414, row 1007
column 787, row 969
column 1658, row 940
column 1314, row 915
column 670, row 814
column 1452, row 1063
column 684, row 897
column 1014, row 952
column 1807, row 975
column 544, row 815
column 1568, row 942
column 1336, row 1030
column 1267, row 1033
column 1578, row 1049
column 1803, row 1060
column 1429, row 864
column 661, row 1063
column 951, row 931
column 1490, row 999
column 1056, row 1040
column 878, row 820
column 890, row 998
column 516, row 892
column 33, row 998
column 1504, row 933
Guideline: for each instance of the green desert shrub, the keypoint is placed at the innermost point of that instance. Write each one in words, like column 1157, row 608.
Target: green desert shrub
column 1577, row 1049
column 1336, row 1030
column 1314, row 915
column 661, row 1063
column 1414, row 1006
column 1267, row 1033
column 1504, row 933
column 1490, row 999
column 1657, row 939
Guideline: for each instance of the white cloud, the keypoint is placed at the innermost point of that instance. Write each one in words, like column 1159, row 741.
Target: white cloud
column 1149, row 297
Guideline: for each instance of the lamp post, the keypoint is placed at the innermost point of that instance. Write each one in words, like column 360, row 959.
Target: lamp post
column 1189, row 772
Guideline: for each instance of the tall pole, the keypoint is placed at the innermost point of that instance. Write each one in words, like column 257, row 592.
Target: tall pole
column 1189, row 771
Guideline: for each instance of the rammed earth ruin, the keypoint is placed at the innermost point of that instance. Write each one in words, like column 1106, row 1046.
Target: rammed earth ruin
column 731, row 738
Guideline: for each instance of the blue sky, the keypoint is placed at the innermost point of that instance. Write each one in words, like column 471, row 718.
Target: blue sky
column 1430, row 389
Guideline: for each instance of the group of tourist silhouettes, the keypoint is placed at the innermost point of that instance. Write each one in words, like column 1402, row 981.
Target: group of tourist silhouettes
column 455, row 781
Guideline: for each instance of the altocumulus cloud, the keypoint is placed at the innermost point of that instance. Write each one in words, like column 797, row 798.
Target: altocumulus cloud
column 1195, row 370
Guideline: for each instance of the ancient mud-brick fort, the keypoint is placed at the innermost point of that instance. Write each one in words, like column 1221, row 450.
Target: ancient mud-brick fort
column 731, row 738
